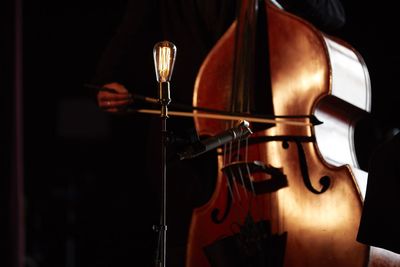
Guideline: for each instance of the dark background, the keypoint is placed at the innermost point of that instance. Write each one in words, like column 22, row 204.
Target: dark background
column 83, row 201
column 80, row 210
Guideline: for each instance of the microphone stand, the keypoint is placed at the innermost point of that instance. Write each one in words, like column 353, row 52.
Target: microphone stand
column 164, row 101
column 164, row 58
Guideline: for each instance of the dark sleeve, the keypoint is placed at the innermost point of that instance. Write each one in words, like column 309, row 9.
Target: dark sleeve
column 380, row 222
column 127, row 56
column 327, row 15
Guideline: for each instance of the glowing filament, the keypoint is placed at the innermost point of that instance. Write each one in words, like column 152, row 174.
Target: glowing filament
column 164, row 57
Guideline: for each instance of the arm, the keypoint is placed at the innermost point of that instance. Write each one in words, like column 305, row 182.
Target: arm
column 125, row 61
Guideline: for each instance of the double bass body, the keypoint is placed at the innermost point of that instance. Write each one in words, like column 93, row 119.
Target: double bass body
column 279, row 202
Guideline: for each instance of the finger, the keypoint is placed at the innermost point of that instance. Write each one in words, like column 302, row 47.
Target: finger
column 112, row 102
column 107, row 94
column 116, row 87
column 113, row 91
column 119, row 104
column 105, row 101
column 125, row 97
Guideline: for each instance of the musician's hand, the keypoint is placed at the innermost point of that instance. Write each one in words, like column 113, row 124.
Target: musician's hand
column 115, row 100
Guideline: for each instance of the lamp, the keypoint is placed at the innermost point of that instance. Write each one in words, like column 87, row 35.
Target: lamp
column 164, row 54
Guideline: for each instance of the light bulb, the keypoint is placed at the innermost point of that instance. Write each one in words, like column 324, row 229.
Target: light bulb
column 164, row 59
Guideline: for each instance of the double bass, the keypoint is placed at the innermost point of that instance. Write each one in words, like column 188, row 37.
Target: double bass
column 282, row 197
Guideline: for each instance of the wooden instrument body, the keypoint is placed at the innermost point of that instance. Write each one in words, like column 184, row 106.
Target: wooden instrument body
column 319, row 221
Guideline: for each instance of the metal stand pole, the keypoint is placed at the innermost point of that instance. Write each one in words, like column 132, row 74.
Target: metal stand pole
column 164, row 101
column 164, row 58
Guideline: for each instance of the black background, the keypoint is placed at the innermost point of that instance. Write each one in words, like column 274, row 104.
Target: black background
column 79, row 210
